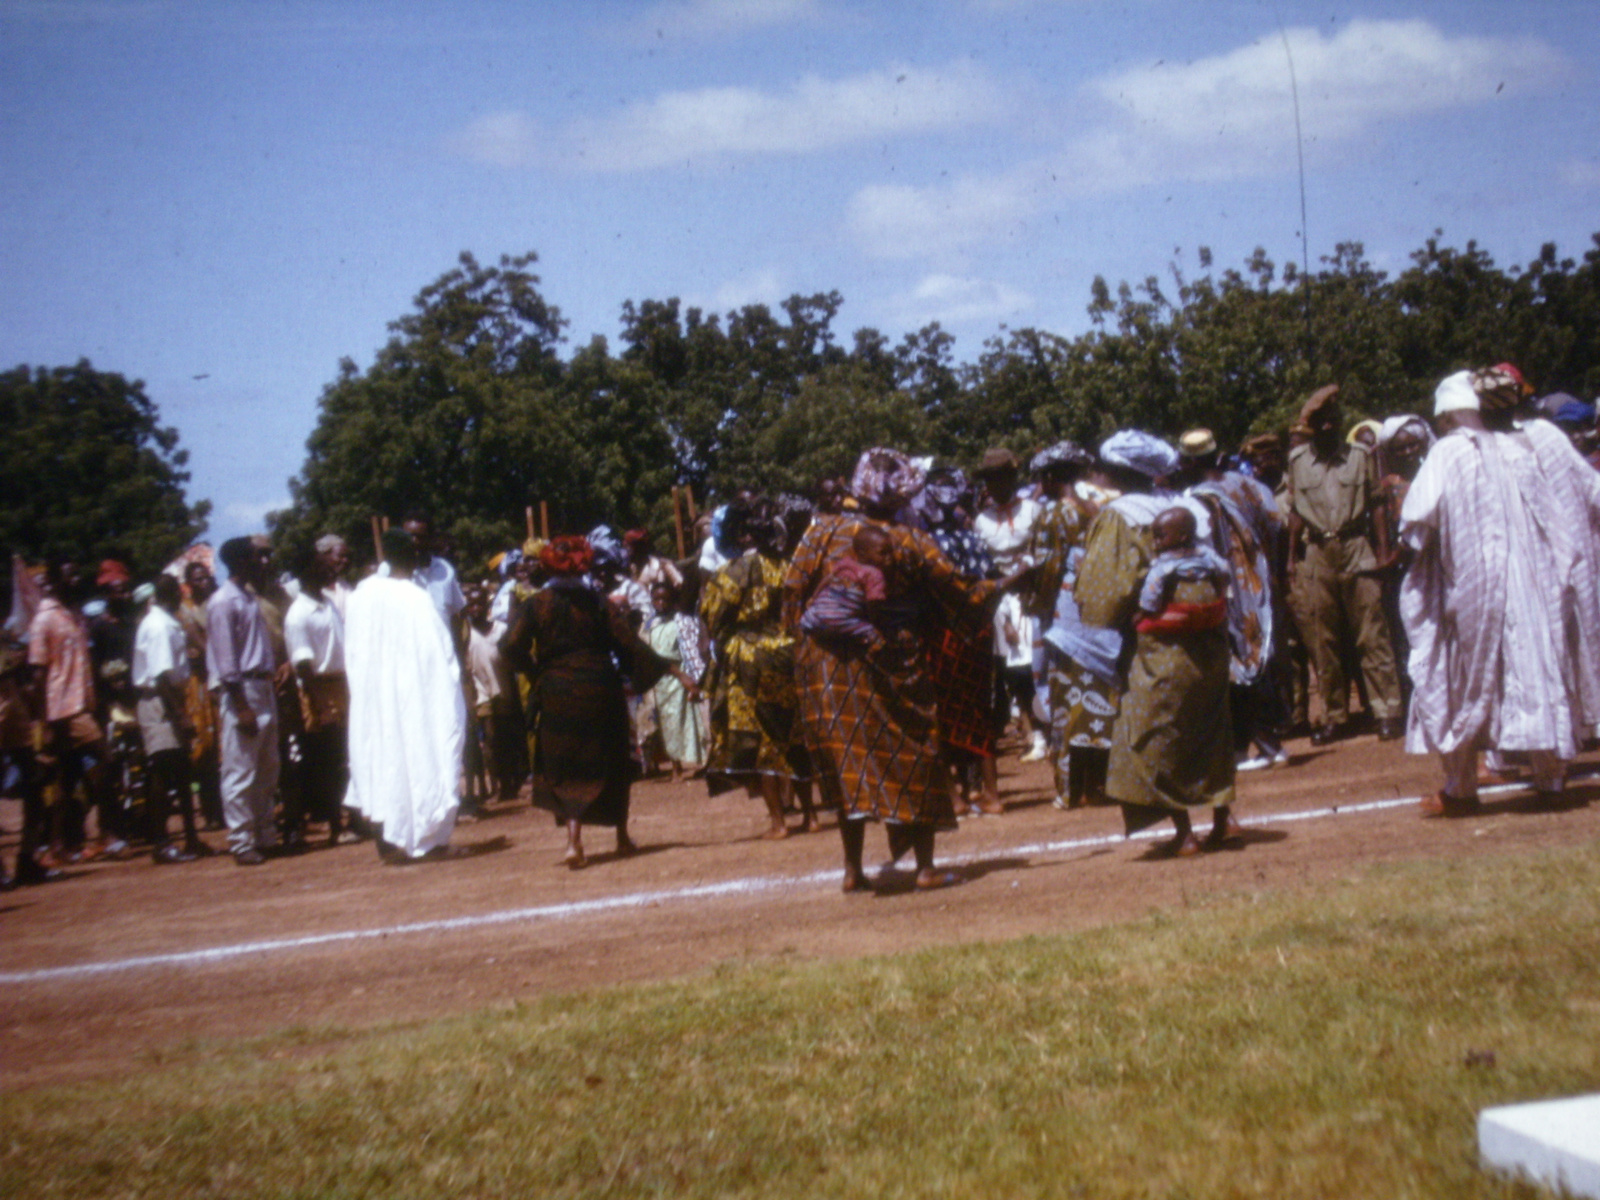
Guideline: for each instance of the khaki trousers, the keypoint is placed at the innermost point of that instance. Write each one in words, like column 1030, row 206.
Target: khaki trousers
column 1338, row 607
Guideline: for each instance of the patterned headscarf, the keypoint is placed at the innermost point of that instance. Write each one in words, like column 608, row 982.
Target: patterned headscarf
column 1141, row 452
column 795, row 511
column 607, row 549
column 1498, row 388
column 1064, row 453
column 885, row 478
column 566, row 555
column 945, row 487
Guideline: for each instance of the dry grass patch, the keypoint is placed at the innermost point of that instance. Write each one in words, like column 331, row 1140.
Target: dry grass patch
column 1307, row 1045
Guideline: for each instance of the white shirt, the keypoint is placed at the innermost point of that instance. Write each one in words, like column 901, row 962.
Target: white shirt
column 491, row 674
column 1006, row 532
column 500, row 610
column 313, row 630
column 159, row 646
column 438, row 579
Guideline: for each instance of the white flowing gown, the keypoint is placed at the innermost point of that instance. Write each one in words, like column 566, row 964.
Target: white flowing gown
column 407, row 714
column 1502, row 604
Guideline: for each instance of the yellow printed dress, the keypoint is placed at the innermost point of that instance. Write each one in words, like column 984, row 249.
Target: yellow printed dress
column 751, row 682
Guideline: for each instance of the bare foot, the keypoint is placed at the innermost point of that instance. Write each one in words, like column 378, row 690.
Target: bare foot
column 574, row 858
column 626, row 846
column 855, row 881
column 931, row 879
column 777, row 833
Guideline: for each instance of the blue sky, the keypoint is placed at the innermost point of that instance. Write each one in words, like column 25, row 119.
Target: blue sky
column 225, row 199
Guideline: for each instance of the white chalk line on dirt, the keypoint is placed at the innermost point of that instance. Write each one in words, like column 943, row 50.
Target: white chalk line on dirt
column 579, row 908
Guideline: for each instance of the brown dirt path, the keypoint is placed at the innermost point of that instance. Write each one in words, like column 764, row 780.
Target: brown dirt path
column 779, row 900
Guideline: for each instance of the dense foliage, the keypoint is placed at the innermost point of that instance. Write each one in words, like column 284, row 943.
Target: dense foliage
column 471, row 413
column 88, row 472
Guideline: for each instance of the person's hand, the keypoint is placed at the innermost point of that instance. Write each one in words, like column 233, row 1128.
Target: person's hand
column 1387, row 565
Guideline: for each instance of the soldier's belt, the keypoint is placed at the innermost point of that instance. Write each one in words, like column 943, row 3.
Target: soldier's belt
column 1353, row 529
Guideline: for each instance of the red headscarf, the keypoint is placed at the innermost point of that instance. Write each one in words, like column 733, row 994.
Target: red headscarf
column 566, row 555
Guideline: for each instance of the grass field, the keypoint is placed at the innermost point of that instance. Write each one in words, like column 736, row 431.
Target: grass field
column 1332, row 1042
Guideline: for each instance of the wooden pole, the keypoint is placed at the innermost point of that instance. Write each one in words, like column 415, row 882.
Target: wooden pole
column 377, row 537
column 688, row 494
column 544, row 519
column 677, row 523
column 528, row 513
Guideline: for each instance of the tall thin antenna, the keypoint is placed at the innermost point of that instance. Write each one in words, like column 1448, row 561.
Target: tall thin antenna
column 1300, row 156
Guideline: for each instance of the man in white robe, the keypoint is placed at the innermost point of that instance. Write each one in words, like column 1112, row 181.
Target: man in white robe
column 1502, row 604
column 407, row 712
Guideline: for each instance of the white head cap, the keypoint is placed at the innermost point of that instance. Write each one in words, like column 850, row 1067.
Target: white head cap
column 1455, row 394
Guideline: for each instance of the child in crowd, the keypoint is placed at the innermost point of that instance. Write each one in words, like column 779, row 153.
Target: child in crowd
column 1179, row 558
column 844, row 607
column 498, row 749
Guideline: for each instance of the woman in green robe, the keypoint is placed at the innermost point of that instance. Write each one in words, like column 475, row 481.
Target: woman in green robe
column 1172, row 749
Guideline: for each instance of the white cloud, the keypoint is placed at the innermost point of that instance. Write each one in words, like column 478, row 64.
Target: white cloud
column 816, row 114
column 762, row 287
column 952, row 298
column 712, row 18
column 898, row 221
column 1222, row 116
column 1229, row 116
column 501, row 139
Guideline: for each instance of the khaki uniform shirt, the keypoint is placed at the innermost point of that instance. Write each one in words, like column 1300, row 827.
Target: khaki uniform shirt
column 1333, row 498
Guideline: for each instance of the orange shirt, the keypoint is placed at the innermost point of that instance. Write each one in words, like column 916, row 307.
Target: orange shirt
column 58, row 640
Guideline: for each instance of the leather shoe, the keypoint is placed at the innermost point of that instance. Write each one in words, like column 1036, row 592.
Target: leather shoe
column 248, row 858
column 1391, row 729
column 1324, row 735
column 169, row 854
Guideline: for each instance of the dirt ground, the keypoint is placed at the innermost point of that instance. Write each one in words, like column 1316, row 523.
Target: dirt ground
column 706, row 891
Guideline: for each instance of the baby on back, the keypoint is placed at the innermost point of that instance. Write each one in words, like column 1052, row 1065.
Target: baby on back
column 1180, row 559
column 844, row 606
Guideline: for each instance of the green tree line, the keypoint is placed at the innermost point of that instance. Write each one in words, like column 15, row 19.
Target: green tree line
column 476, row 408
column 471, row 412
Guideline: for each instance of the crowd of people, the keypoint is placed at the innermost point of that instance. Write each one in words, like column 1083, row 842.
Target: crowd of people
column 1151, row 618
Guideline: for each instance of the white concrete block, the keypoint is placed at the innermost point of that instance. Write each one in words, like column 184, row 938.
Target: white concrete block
column 1552, row 1142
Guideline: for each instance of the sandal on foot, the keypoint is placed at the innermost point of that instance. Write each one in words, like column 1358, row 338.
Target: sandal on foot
column 939, row 879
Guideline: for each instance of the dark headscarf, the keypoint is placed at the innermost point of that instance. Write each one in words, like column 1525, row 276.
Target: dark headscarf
column 1499, row 389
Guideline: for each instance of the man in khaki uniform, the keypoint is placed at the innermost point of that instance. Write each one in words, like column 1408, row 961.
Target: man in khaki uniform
column 1332, row 486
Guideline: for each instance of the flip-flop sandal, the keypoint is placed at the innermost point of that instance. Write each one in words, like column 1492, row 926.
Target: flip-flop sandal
column 941, row 879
